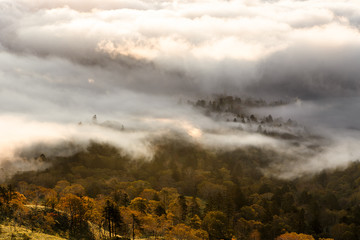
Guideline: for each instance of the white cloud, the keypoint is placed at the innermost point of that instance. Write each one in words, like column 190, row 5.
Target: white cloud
column 62, row 61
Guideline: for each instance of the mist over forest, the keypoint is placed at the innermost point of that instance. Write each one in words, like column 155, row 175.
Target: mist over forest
column 180, row 113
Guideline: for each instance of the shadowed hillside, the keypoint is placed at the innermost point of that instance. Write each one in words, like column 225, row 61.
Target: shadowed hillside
column 185, row 192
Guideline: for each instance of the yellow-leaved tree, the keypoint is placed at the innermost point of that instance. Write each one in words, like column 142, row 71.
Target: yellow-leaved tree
column 295, row 236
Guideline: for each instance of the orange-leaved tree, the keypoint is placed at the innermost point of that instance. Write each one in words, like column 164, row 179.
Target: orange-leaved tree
column 295, row 236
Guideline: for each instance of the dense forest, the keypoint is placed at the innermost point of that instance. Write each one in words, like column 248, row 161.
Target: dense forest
column 185, row 192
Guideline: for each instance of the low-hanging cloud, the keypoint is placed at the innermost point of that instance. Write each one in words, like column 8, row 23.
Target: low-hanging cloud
column 131, row 61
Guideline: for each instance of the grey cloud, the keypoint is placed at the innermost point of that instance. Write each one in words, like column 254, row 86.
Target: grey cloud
column 27, row 33
column 310, row 72
column 350, row 13
column 53, row 70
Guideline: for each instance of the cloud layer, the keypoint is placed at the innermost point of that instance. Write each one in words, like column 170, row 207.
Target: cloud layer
column 131, row 61
column 194, row 47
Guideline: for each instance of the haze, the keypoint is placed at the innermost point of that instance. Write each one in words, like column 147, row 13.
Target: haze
column 132, row 62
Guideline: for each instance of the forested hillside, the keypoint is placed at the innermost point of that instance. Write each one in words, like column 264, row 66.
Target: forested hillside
column 186, row 192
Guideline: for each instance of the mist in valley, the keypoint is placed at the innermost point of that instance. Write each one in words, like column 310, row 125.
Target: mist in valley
column 136, row 64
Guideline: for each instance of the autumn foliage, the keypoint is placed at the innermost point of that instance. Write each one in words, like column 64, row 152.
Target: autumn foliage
column 184, row 192
column 295, row 236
